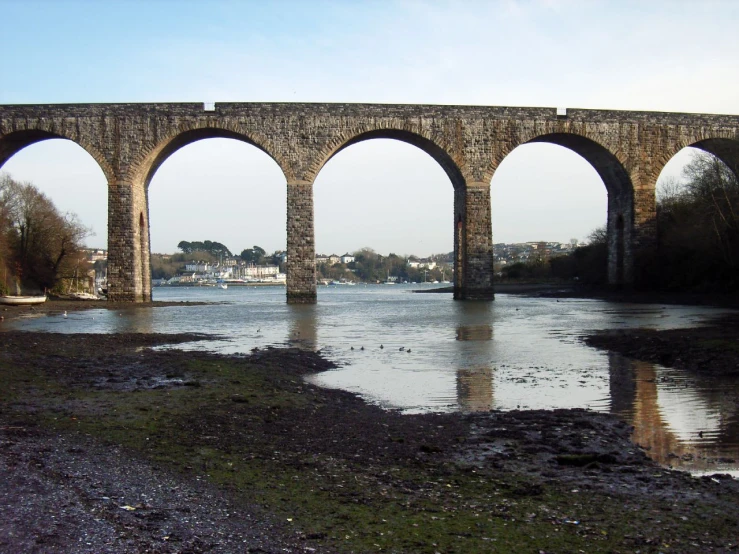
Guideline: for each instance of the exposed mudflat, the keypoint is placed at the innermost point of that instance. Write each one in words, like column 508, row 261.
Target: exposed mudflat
column 109, row 446
column 711, row 349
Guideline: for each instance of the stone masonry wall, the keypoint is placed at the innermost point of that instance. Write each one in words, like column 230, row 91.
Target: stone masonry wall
column 301, row 250
column 130, row 141
column 121, row 241
column 478, row 237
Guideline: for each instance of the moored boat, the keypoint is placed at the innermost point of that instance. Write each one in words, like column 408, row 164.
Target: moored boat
column 21, row 300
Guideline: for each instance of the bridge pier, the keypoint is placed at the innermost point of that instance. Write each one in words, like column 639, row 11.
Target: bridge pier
column 643, row 240
column 473, row 243
column 129, row 256
column 301, row 244
column 619, row 236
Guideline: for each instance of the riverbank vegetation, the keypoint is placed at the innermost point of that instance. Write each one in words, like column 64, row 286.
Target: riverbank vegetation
column 698, row 230
column 368, row 266
column 697, row 245
column 39, row 245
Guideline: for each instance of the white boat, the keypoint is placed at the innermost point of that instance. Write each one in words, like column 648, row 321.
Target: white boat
column 83, row 296
column 22, row 300
column 224, row 286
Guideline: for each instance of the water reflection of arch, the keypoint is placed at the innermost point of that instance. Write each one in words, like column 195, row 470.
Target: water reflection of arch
column 474, row 336
column 303, row 331
column 133, row 320
column 475, row 389
column 635, row 398
column 479, row 332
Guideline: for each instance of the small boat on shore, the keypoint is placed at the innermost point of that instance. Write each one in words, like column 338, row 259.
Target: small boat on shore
column 21, row 300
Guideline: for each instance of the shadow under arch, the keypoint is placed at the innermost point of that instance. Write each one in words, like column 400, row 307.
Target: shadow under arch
column 14, row 142
column 726, row 150
column 723, row 148
column 620, row 191
column 437, row 152
column 166, row 148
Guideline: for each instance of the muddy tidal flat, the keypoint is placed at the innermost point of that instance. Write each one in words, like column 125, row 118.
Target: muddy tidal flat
column 108, row 445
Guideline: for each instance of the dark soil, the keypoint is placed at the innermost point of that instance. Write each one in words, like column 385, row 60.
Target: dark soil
column 711, row 350
column 107, row 445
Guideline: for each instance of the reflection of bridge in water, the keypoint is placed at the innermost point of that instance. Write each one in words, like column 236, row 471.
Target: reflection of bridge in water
column 680, row 421
column 667, row 408
column 677, row 421
column 304, row 328
column 475, row 385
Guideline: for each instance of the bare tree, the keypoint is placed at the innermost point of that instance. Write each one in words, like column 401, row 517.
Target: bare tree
column 715, row 191
column 40, row 239
column 698, row 226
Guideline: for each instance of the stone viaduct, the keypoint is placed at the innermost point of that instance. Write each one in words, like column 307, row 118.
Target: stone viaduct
column 130, row 141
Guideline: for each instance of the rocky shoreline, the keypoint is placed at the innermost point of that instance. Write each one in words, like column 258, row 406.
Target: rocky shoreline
column 108, row 445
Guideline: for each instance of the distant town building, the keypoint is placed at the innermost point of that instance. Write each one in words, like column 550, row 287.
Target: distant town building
column 424, row 263
column 347, row 259
column 96, row 255
column 197, row 267
column 259, row 271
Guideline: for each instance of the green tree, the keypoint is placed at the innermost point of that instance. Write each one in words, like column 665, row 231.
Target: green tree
column 214, row 248
column 254, row 255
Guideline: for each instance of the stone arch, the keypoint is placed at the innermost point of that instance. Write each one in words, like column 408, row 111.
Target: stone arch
column 724, row 146
column 611, row 168
column 148, row 163
column 14, row 142
column 434, row 148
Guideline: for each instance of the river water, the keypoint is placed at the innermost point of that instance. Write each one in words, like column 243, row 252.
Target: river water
column 426, row 352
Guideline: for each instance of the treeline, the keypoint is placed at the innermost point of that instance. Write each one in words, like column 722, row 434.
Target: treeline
column 39, row 245
column 697, row 238
column 698, row 229
column 213, row 248
column 586, row 264
column 369, row 267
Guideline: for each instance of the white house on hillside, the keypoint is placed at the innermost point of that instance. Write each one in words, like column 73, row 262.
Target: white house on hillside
column 198, row 267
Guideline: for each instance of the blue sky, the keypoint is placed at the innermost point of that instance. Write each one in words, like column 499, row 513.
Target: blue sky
column 665, row 56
